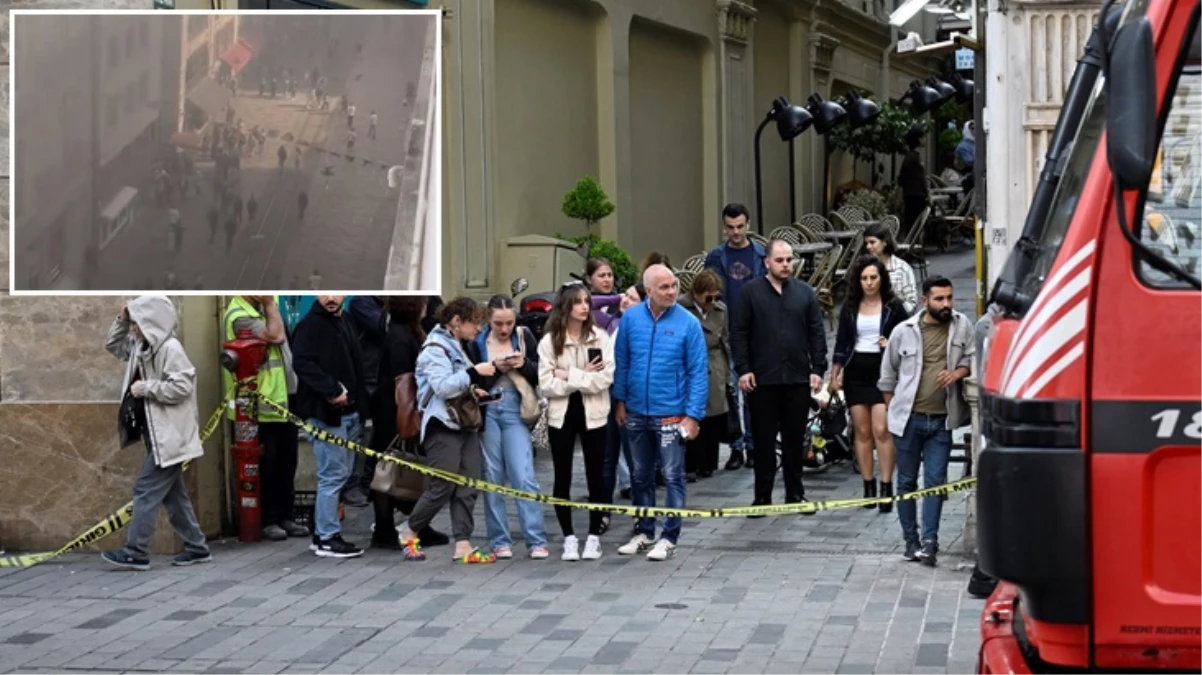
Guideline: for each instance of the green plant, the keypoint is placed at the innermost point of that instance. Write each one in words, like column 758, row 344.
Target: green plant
column 949, row 138
column 625, row 271
column 869, row 200
column 587, row 202
column 885, row 136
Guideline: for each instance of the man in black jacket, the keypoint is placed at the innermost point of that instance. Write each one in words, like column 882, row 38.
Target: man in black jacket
column 779, row 347
column 332, row 396
column 369, row 322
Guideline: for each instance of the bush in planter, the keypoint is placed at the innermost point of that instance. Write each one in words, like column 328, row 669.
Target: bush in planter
column 625, row 271
column 587, row 202
column 871, row 201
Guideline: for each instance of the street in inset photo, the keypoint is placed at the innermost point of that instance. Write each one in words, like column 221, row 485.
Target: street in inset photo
column 223, row 151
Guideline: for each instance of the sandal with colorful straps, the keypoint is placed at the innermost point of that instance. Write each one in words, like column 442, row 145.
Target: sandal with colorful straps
column 411, row 551
column 476, row 557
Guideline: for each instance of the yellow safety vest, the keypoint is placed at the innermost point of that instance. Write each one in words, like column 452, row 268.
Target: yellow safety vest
column 272, row 380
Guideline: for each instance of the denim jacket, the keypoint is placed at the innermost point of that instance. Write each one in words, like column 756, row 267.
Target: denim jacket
column 440, row 378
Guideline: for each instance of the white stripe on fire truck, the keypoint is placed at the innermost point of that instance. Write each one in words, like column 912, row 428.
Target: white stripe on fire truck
column 1025, row 339
column 1036, row 317
column 1055, row 369
column 1069, row 325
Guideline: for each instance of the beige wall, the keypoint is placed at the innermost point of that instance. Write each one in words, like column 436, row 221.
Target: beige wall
column 771, row 77
column 548, row 112
column 667, row 144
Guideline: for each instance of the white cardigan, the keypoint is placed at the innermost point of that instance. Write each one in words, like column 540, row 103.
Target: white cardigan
column 593, row 386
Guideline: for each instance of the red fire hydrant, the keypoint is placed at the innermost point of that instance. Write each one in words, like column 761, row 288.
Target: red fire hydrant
column 243, row 357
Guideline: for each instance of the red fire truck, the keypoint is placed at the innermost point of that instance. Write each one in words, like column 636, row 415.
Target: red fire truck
column 1090, row 472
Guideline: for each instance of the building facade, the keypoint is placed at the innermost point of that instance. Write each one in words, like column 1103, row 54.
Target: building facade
column 658, row 100
column 85, row 125
column 90, row 135
column 1039, row 42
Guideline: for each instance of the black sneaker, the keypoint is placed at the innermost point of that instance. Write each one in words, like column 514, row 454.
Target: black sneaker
column 335, row 547
column 355, row 497
column 735, row 461
column 750, row 462
column 189, row 558
column 314, row 542
column 759, row 503
column 123, row 559
column 911, row 553
column 926, row 555
column 981, row 585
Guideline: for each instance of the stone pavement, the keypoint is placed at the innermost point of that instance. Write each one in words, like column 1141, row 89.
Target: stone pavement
column 823, row 593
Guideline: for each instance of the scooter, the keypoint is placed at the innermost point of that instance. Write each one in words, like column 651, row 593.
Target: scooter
column 534, row 309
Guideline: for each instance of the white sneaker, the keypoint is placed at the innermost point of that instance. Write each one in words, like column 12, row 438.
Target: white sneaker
column 637, row 544
column 592, row 547
column 663, row 550
column 571, row 549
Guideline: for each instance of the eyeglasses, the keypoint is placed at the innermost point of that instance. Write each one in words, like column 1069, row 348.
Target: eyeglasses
column 712, row 297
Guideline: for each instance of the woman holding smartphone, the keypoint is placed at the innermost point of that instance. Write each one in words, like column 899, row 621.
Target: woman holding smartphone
column 508, row 453
column 575, row 370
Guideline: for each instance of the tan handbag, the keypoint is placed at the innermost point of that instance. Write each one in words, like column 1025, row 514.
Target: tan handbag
column 531, row 411
column 396, row 481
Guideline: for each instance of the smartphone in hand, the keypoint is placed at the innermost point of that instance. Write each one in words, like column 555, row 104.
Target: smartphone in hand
column 594, row 355
column 489, row 398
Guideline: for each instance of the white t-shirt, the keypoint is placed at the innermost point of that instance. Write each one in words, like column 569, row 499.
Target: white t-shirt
column 868, row 332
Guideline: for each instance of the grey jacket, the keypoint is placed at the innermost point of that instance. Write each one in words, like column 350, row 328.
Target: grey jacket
column 901, row 368
column 171, row 415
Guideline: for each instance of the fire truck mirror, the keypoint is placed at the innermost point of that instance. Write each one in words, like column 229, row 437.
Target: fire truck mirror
column 1131, row 105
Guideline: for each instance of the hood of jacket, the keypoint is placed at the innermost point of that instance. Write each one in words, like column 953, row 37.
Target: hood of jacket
column 156, row 318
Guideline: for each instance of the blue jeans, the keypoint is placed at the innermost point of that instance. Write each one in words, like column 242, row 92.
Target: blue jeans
column 333, row 468
column 508, row 455
column 928, row 442
column 745, row 443
column 651, row 440
column 617, row 455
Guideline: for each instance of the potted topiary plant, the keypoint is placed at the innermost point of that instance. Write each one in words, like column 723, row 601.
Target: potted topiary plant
column 588, row 202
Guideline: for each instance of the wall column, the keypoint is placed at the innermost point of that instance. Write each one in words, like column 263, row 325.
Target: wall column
column 736, row 22
column 613, row 121
column 468, row 88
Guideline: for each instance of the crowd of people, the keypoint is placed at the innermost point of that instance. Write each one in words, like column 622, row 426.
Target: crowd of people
column 648, row 382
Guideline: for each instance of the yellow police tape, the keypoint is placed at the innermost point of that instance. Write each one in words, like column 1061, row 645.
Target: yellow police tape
column 114, row 521
column 122, row 516
column 636, row 511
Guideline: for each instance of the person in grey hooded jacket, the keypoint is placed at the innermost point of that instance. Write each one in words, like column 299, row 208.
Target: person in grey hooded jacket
column 158, row 408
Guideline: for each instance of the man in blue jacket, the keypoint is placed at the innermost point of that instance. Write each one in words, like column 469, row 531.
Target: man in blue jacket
column 737, row 262
column 660, row 389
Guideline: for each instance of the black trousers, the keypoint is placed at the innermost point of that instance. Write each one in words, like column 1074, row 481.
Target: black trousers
column 563, row 449
column 912, row 206
column 277, row 470
column 701, row 453
column 779, row 408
